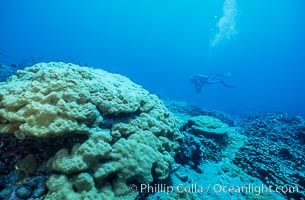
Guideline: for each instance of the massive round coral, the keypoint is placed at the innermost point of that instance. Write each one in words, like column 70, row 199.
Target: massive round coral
column 131, row 135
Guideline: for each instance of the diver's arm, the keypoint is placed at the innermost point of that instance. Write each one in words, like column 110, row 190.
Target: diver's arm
column 225, row 74
column 211, row 81
column 199, row 76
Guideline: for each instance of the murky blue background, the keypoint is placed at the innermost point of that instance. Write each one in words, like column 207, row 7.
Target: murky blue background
column 160, row 44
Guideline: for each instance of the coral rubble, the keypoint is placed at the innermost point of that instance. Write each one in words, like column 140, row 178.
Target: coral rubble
column 207, row 138
column 275, row 151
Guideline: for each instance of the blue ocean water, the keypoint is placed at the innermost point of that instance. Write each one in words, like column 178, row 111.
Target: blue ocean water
column 161, row 44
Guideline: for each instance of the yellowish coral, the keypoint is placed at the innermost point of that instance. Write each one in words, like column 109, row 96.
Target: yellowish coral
column 81, row 187
column 131, row 135
column 55, row 98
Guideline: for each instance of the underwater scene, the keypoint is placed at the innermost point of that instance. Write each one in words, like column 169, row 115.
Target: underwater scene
column 155, row 99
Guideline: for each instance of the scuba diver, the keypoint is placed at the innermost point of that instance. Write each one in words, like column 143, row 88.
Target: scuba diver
column 200, row 80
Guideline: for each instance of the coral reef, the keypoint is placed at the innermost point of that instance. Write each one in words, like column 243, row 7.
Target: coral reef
column 195, row 150
column 6, row 71
column 187, row 109
column 23, row 163
column 71, row 132
column 205, row 159
column 130, row 135
column 207, row 138
column 275, row 151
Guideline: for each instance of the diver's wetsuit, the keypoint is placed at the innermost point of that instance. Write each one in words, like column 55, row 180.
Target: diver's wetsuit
column 200, row 80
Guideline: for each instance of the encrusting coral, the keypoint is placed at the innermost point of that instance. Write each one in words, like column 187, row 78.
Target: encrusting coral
column 227, row 137
column 131, row 135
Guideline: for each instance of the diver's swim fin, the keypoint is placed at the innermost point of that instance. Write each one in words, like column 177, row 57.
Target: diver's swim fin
column 227, row 85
